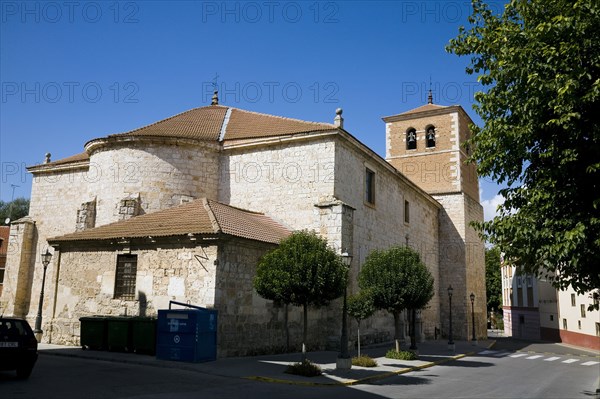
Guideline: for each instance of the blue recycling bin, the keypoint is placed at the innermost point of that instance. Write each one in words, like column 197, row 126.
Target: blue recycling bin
column 187, row 335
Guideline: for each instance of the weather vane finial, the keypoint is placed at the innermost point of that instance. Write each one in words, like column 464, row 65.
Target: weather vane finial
column 215, row 84
column 430, row 95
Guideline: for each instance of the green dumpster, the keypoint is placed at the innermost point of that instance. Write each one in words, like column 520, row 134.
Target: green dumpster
column 143, row 335
column 93, row 332
column 118, row 337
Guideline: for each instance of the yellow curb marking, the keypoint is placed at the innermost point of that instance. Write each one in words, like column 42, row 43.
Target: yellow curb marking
column 362, row 380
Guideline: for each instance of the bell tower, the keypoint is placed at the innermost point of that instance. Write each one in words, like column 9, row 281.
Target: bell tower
column 427, row 145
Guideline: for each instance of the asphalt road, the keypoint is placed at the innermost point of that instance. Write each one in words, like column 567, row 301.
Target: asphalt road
column 498, row 373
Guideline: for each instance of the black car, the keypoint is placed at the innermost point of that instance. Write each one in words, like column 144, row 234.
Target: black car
column 18, row 346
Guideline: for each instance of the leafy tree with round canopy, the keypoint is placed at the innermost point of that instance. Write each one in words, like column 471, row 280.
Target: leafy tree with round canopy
column 14, row 210
column 302, row 271
column 397, row 280
column 539, row 63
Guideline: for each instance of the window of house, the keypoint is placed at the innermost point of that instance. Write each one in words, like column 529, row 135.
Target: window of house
column 430, row 137
column 579, row 324
column 411, row 139
column 551, row 317
column 406, row 211
column 519, row 296
column 370, row 186
column 572, row 299
column 597, row 329
column 564, row 324
column 582, row 310
column 125, row 278
column 530, row 297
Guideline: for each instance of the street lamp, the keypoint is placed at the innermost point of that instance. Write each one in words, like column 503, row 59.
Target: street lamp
column 344, row 361
column 472, row 296
column 450, row 341
column 38, row 319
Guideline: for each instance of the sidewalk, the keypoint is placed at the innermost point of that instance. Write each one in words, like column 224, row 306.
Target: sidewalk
column 271, row 368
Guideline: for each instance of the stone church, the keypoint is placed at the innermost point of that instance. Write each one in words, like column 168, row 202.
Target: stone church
column 184, row 208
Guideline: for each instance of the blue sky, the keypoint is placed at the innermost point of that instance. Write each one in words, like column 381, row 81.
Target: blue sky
column 73, row 71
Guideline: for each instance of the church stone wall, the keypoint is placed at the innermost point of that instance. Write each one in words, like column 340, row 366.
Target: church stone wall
column 218, row 276
column 433, row 169
column 161, row 174
column 284, row 180
column 469, row 178
column 476, row 266
column 462, row 265
column 252, row 325
column 55, row 198
column 86, row 283
column 382, row 225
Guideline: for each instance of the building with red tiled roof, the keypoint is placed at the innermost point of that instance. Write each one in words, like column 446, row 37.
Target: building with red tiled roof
column 183, row 209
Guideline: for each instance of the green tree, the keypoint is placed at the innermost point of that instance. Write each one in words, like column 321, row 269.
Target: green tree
column 360, row 307
column 493, row 280
column 302, row 271
column 14, row 210
column 396, row 280
column 539, row 62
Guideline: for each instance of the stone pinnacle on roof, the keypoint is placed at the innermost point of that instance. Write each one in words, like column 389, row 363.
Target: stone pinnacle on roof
column 215, row 98
column 338, row 121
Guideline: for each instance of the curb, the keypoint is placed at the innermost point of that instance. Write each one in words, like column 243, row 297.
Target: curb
column 365, row 379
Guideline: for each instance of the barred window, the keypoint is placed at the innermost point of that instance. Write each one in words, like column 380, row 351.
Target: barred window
column 125, row 279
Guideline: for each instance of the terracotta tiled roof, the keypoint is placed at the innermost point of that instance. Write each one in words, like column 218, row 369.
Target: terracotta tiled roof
column 201, row 216
column 4, row 234
column 245, row 124
column 198, row 123
column 210, row 123
column 241, row 223
column 72, row 159
column 423, row 108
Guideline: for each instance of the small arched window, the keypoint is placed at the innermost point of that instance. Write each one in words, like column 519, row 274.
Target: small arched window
column 411, row 139
column 430, row 136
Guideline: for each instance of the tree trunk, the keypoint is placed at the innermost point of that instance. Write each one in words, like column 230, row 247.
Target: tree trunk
column 305, row 333
column 397, row 330
column 287, row 329
column 358, row 335
column 413, row 329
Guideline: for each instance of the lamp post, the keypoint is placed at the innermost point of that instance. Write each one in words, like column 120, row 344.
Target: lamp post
column 344, row 361
column 38, row 319
column 450, row 341
column 472, row 296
